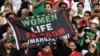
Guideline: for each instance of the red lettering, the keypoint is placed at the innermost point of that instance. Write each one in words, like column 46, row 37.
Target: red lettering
column 54, row 34
column 48, row 35
column 28, row 35
column 61, row 31
column 34, row 34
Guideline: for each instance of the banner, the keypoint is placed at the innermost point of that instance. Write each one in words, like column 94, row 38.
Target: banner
column 43, row 28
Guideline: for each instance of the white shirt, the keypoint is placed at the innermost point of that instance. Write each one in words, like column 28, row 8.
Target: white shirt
column 86, row 6
column 14, row 9
column 17, row 4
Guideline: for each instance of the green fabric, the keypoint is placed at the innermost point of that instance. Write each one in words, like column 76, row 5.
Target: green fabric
column 39, row 9
column 98, row 47
column 92, row 7
column 81, row 41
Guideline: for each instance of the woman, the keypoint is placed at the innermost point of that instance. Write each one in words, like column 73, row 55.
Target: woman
column 92, row 50
column 70, row 13
column 73, row 47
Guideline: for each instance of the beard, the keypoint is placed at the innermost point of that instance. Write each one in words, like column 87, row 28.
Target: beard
column 96, row 11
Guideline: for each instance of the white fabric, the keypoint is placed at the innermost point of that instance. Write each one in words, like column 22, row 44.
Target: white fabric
column 17, row 4
column 84, row 52
column 86, row 7
column 14, row 9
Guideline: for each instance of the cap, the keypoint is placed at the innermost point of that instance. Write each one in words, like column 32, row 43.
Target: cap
column 23, row 41
column 45, row 44
column 96, row 21
column 8, row 39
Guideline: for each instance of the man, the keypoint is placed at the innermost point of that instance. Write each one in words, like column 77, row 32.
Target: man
column 80, row 8
column 25, row 50
column 86, row 5
column 48, row 7
column 96, row 11
column 8, row 49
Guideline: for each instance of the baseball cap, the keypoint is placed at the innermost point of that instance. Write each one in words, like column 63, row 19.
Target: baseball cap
column 8, row 39
column 96, row 21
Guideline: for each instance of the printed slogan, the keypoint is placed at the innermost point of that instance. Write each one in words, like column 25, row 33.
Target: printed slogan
column 43, row 28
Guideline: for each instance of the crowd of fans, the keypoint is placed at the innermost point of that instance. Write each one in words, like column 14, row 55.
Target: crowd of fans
column 84, row 16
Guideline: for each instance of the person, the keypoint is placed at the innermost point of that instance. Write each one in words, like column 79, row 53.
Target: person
column 92, row 50
column 96, row 11
column 3, row 26
column 86, row 4
column 48, row 8
column 45, row 50
column 24, row 13
column 25, row 50
column 37, row 5
column 26, row 7
column 70, row 13
column 80, row 10
column 89, row 35
column 8, row 49
column 61, row 49
column 93, row 3
column 85, row 19
column 73, row 47
column 10, row 4
column 63, row 5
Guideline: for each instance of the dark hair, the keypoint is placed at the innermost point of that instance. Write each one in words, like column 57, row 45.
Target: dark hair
column 80, row 4
column 97, row 4
column 48, row 4
column 76, row 17
column 10, row 13
column 8, row 5
column 45, row 44
column 62, row 3
column 88, row 12
column 72, row 42
column 68, row 10
column 24, row 5
column 59, row 42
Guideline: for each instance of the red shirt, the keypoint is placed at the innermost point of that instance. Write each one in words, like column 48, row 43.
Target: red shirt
column 75, row 54
column 41, row 53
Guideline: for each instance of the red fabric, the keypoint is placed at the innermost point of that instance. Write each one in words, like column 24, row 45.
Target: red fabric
column 8, row 55
column 75, row 54
column 41, row 53
column 82, row 23
column 55, row 2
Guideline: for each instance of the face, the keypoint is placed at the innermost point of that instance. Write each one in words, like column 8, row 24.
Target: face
column 86, row 16
column 72, row 46
column 95, row 2
column 97, row 8
column 25, row 45
column 8, row 45
column 93, row 25
column 78, row 21
column 46, row 49
column 48, row 8
column 71, row 12
column 80, row 8
column 9, row 30
column 7, row 9
column 92, row 49
column 24, row 13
